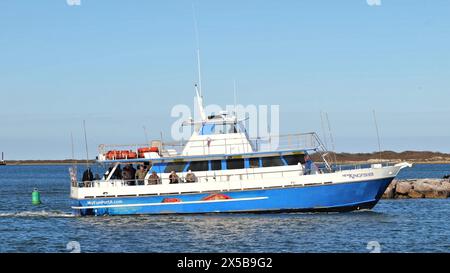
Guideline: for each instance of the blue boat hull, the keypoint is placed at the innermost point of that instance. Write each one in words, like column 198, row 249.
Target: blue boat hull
column 319, row 198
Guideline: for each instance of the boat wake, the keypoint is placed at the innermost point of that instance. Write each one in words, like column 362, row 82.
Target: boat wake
column 42, row 214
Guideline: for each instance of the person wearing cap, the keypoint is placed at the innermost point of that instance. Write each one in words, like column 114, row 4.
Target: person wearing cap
column 153, row 179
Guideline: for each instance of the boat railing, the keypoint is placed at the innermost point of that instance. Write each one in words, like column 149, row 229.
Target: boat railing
column 362, row 165
column 272, row 143
column 198, row 178
column 318, row 168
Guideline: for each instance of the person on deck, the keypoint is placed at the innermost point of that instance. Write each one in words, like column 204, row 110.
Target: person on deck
column 173, row 177
column 132, row 170
column 127, row 175
column 140, row 175
column 190, row 177
column 88, row 177
column 117, row 173
column 308, row 164
column 153, row 179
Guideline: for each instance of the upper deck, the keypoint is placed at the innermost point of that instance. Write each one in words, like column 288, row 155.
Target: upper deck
column 215, row 146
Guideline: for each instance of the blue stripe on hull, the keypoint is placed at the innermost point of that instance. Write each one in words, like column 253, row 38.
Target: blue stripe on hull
column 331, row 197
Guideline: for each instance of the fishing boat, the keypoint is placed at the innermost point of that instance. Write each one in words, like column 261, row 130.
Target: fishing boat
column 220, row 169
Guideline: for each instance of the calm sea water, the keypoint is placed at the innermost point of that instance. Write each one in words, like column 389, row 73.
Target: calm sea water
column 396, row 225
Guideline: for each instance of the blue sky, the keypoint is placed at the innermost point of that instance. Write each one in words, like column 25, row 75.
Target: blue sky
column 122, row 65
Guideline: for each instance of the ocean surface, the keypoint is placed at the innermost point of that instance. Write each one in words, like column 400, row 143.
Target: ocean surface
column 392, row 226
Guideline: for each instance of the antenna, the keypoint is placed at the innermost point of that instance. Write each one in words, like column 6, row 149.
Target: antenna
column 86, row 143
column 198, row 51
column 378, row 134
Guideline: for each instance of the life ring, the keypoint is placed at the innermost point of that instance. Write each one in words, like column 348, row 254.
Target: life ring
column 132, row 155
column 216, row 196
column 171, row 200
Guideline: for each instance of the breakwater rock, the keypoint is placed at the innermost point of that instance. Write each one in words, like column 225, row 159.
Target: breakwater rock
column 418, row 188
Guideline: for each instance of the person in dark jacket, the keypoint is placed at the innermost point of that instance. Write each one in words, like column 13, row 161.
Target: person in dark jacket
column 88, row 177
column 174, row 178
column 128, row 174
column 132, row 171
column 118, row 173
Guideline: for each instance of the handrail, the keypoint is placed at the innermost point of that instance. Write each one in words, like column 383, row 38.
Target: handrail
column 218, row 177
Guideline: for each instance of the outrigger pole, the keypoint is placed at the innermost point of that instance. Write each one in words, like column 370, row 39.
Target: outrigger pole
column 73, row 150
column 86, row 144
column 146, row 135
column 331, row 138
column 378, row 134
column 73, row 169
column 235, row 98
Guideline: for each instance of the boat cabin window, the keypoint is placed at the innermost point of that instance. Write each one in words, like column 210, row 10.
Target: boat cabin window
column 253, row 162
column 175, row 166
column 216, row 165
column 233, row 164
column 294, row 159
column 198, row 166
column 273, row 161
column 216, row 129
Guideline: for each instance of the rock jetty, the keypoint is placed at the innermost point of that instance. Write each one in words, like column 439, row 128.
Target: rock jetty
column 418, row 188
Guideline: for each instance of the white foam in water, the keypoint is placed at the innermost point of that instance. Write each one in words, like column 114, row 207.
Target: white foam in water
column 45, row 214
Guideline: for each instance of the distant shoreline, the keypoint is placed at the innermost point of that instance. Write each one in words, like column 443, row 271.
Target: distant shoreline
column 46, row 162
column 418, row 157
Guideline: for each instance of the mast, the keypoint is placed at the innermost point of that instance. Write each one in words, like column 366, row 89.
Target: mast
column 200, row 90
column 199, row 73
column 198, row 87
column 200, row 104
